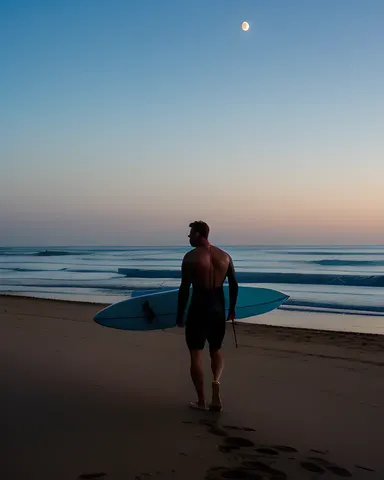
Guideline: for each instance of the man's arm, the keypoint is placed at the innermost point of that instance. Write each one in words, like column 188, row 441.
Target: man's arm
column 233, row 288
column 183, row 291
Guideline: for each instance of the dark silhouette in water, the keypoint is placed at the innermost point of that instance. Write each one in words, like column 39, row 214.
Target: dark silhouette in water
column 51, row 253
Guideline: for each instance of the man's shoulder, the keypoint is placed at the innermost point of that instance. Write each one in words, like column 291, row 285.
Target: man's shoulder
column 189, row 255
column 221, row 252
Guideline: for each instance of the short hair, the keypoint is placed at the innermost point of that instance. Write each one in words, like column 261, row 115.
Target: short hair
column 200, row 227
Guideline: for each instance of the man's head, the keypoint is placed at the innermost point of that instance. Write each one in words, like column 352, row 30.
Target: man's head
column 199, row 233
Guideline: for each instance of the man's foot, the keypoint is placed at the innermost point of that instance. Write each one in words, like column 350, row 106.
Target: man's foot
column 197, row 406
column 215, row 405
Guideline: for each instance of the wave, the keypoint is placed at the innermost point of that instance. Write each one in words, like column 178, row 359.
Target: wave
column 85, row 270
column 348, row 263
column 242, row 276
column 333, row 310
column 58, row 253
column 335, row 305
column 54, row 271
column 328, row 253
column 81, row 284
column 14, row 254
column 25, row 269
column 272, row 277
column 145, row 273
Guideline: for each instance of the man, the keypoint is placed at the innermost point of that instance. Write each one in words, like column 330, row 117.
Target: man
column 205, row 268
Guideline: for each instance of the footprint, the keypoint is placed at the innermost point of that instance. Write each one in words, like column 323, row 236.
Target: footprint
column 285, row 448
column 364, row 468
column 266, row 451
column 218, row 431
column 244, row 429
column 239, row 442
column 228, row 448
column 312, row 467
column 259, row 466
column 206, row 422
column 322, row 461
column 262, row 468
column 231, row 427
column 234, row 473
column 322, row 452
column 340, row 471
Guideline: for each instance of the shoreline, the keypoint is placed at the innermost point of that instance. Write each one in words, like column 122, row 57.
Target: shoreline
column 279, row 318
column 369, row 343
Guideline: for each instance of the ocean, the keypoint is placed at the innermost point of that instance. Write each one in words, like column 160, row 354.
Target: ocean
column 318, row 279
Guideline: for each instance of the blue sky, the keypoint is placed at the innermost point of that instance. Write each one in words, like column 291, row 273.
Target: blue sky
column 122, row 121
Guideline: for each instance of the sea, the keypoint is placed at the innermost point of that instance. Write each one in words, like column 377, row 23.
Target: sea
column 323, row 279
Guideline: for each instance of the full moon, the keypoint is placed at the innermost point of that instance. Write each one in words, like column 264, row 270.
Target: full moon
column 245, row 26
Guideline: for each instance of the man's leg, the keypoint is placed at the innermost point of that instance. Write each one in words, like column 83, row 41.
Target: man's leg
column 195, row 338
column 197, row 375
column 215, row 339
column 217, row 365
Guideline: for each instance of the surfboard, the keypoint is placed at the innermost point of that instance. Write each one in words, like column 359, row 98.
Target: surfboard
column 140, row 293
column 157, row 310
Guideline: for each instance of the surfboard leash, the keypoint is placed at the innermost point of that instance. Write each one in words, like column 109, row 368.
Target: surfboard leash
column 234, row 331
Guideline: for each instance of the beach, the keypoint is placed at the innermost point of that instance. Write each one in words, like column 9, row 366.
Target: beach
column 84, row 401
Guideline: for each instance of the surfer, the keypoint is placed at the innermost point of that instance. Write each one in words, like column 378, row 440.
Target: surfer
column 205, row 268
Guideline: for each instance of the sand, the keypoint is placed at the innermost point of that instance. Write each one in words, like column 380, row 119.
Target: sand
column 82, row 401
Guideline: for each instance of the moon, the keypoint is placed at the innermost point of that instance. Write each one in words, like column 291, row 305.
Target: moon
column 245, row 26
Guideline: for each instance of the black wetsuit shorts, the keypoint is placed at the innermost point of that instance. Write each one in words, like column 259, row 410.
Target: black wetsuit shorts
column 206, row 319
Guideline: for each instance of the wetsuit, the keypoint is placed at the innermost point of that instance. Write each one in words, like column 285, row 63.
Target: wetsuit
column 206, row 319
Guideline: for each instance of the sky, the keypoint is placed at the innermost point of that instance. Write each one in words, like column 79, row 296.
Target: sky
column 121, row 122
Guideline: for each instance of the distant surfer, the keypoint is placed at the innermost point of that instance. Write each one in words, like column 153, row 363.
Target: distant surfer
column 205, row 268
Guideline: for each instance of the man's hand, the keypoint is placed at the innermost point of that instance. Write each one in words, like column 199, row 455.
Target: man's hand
column 233, row 290
column 231, row 316
column 183, row 291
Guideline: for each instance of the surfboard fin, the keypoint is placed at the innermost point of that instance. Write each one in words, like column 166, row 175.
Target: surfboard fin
column 149, row 314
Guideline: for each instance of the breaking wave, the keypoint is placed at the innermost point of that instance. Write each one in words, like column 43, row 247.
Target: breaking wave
column 348, row 263
column 272, row 277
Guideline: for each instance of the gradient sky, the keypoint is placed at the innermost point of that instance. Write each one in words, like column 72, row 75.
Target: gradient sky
column 122, row 121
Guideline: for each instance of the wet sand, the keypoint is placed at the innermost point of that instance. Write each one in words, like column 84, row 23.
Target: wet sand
column 82, row 401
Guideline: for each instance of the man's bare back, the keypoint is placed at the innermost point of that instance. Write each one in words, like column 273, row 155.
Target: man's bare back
column 207, row 266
